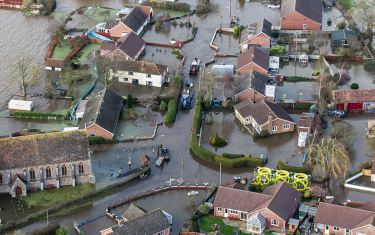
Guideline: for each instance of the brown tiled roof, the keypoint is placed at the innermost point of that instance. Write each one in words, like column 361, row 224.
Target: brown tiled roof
column 139, row 67
column 132, row 45
column 253, row 55
column 54, row 63
column 108, row 46
column 312, row 9
column 133, row 212
column 353, row 96
column 111, row 23
column 43, row 149
column 305, row 122
column 262, row 26
column 236, row 186
column 349, row 218
column 369, row 206
column 145, row 158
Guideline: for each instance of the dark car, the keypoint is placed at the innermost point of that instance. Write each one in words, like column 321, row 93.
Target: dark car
column 337, row 112
column 192, row 11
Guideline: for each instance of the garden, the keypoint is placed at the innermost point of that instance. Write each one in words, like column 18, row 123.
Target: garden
column 100, row 14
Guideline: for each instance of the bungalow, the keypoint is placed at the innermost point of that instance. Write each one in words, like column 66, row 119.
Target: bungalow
column 257, row 34
column 128, row 47
column 253, row 59
column 345, row 38
column 138, row 221
column 54, row 64
column 257, row 90
column 101, row 114
column 301, row 14
column 352, row 221
column 363, row 99
column 264, row 115
column 273, row 208
column 139, row 72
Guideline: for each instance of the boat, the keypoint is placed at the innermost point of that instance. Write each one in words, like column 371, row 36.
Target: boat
column 243, row 180
column 193, row 193
column 165, row 154
column 194, row 68
column 187, row 96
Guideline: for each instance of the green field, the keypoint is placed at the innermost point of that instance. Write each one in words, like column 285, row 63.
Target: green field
column 61, row 52
column 96, row 14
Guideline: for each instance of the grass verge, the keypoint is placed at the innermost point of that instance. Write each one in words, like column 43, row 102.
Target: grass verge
column 206, row 221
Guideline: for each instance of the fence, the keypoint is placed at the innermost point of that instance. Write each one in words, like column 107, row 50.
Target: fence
column 42, row 118
column 164, row 45
column 350, row 58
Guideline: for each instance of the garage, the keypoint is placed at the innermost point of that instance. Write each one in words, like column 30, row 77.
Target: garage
column 340, row 106
column 355, row 106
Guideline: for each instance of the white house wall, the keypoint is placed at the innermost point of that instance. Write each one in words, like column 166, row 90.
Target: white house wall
column 123, row 76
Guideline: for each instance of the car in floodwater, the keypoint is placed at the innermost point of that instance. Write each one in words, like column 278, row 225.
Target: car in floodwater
column 337, row 112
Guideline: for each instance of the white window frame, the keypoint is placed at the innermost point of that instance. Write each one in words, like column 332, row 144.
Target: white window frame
column 304, row 26
column 286, row 126
column 361, row 233
column 148, row 75
column 161, row 232
column 274, row 222
column 336, row 228
column 247, row 119
column 274, row 128
column 233, row 212
column 219, row 209
column 130, row 73
column 320, row 225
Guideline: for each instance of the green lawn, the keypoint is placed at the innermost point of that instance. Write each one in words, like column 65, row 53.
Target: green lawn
column 206, row 222
column 95, row 14
column 60, row 16
column 86, row 50
column 61, row 52
column 158, row 12
column 48, row 198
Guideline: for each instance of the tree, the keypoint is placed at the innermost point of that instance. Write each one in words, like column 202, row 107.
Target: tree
column 342, row 77
column 344, row 133
column 364, row 13
column 148, row 101
column 18, row 232
column 63, row 231
column 341, row 25
column 59, row 35
column 50, row 87
column 278, row 50
column 163, row 106
column 204, row 209
column 369, row 66
column 129, row 101
column 68, row 77
column 192, row 199
column 344, row 52
column 157, row 25
column 370, row 146
column 326, row 85
column 330, row 157
column 24, row 69
column 103, row 67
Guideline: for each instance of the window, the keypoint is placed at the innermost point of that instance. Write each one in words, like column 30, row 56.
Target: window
column 336, row 228
column 64, row 170
column 32, row 174
column 286, row 126
column 346, row 231
column 274, row 128
column 114, row 70
column 233, row 212
column 219, row 209
column 148, row 83
column 92, row 134
column 274, row 222
column 344, row 42
column 1, row 179
column 48, row 172
column 247, row 119
column 80, row 168
column 327, row 227
column 304, row 26
column 361, row 234
column 148, row 75
column 320, row 225
column 115, row 78
column 130, row 73
column 125, row 79
column 161, row 233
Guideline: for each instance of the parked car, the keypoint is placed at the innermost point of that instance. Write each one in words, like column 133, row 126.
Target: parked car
column 339, row 113
column 273, row 6
column 192, row 10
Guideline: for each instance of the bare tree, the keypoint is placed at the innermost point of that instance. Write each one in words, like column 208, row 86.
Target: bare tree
column 342, row 76
column 364, row 13
column 326, row 85
column 25, row 70
column 103, row 67
column 343, row 132
column 206, row 89
column 148, row 101
column 69, row 78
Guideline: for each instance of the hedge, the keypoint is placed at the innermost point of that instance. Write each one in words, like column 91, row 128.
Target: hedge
column 208, row 155
column 232, row 155
column 296, row 78
column 100, row 140
column 282, row 166
column 171, row 113
column 46, row 230
column 32, row 114
column 301, row 105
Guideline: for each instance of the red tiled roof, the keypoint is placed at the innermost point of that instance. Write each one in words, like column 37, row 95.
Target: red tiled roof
column 54, row 63
column 253, row 55
column 353, row 96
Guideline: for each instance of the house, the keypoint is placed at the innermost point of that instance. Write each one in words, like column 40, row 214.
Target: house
column 253, row 59
column 262, row 116
column 53, row 64
column 361, row 99
column 257, row 34
column 131, row 19
column 101, row 114
column 145, row 160
column 44, row 160
column 301, row 14
column 306, row 122
column 141, row 222
column 15, row 4
column 128, row 47
column 139, row 72
column 272, row 208
column 257, row 90
column 350, row 220
column 345, row 38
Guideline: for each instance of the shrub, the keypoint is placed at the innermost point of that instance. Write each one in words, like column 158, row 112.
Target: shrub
column 129, row 101
column 354, row 86
column 306, row 194
column 295, row 78
column 233, row 155
column 218, row 141
column 249, row 155
column 46, row 230
column 264, row 133
column 128, row 114
column 278, row 50
column 172, row 109
column 196, row 227
column 204, row 209
column 157, row 25
column 236, row 30
column 100, row 140
column 241, row 28
column 67, row 114
column 174, row 23
column 369, row 66
column 194, row 218
column 363, row 165
column 210, row 122
column 172, row 39
column 341, row 25
column 301, row 105
column 282, row 166
column 231, row 104
column 163, row 106
column 31, row 130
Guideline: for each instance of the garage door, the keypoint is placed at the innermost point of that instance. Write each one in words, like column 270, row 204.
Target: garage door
column 340, row 106
column 352, row 106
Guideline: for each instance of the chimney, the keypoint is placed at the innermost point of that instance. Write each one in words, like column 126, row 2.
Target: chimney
column 270, row 118
column 115, row 43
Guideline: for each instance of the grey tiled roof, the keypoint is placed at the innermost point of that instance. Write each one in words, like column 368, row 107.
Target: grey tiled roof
column 258, row 82
column 132, row 44
column 135, row 19
column 262, row 26
column 279, row 111
column 148, row 224
column 102, row 109
column 312, row 9
column 133, row 212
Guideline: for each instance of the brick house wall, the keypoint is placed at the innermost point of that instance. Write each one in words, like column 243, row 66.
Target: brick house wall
column 166, row 232
column 230, row 214
column 270, row 99
column 98, row 131
column 261, row 39
column 117, row 31
column 15, row 4
column 295, row 20
column 253, row 66
column 249, row 94
column 279, row 124
column 241, row 119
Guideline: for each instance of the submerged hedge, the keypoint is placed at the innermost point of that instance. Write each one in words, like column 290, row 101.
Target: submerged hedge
column 282, row 166
column 232, row 155
column 210, row 156
column 172, row 110
column 32, row 114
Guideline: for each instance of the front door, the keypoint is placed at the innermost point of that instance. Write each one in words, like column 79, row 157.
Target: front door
column 18, row 191
column 327, row 229
column 225, row 212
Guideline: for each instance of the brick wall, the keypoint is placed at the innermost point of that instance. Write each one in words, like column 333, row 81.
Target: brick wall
column 117, row 54
column 117, row 31
column 250, row 67
column 295, row 20
column 279, row 124
column 272, row 216
column 98, row 131
column 249, row 94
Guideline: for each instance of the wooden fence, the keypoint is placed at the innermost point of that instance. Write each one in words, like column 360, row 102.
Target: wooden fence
column 350, row 58
column 163, row 44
